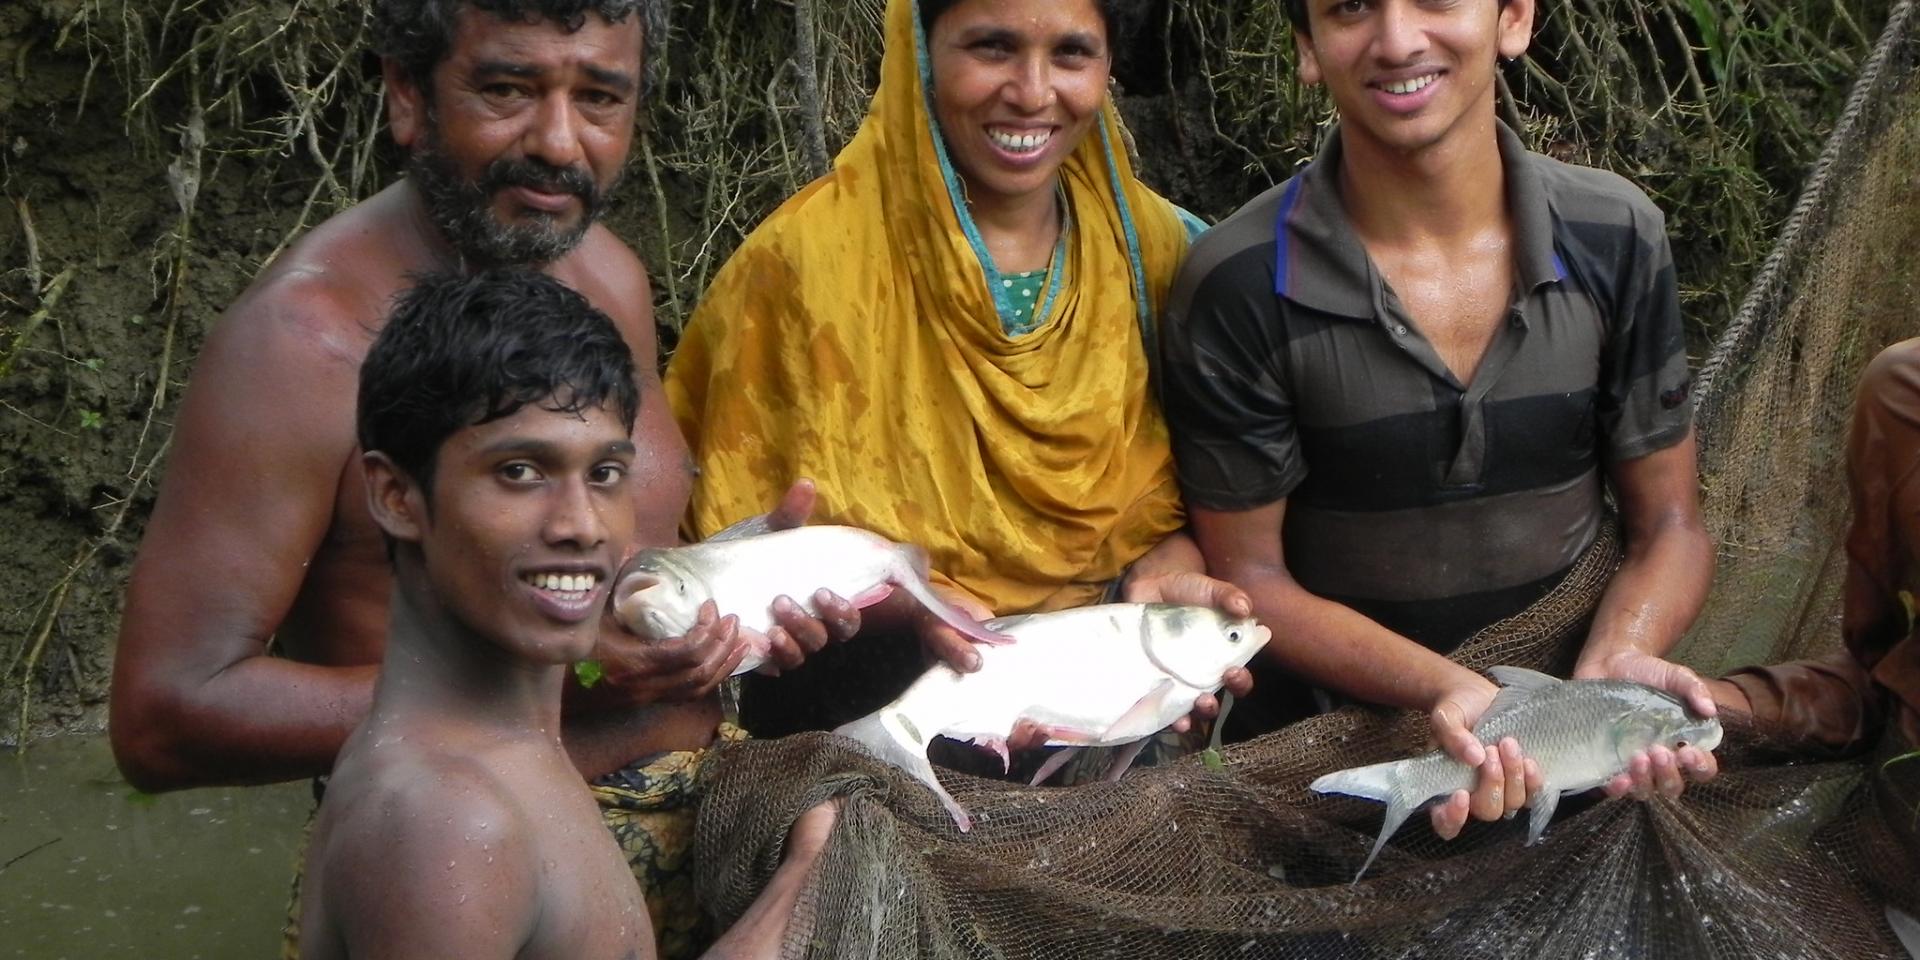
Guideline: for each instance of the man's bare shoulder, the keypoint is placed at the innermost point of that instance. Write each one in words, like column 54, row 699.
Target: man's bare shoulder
column 425, row 844
column 330, row 289
column 610, row 274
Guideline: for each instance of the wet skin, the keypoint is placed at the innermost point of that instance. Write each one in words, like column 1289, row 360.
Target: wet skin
column 261, row 531
column 454, row 823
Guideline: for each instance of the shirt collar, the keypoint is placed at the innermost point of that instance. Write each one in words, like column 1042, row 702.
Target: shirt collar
column 1320, row 262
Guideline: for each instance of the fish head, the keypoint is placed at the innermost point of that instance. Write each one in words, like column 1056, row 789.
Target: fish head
column 1663, row 720
column 657, row 597
column 1198, row 645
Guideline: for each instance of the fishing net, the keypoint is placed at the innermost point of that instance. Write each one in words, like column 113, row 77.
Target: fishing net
column 1781, row 856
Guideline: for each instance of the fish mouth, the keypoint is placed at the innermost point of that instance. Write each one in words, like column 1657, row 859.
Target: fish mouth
column 1709, row 737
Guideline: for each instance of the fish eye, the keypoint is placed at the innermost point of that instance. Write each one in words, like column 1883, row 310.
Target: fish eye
column 1233, row 636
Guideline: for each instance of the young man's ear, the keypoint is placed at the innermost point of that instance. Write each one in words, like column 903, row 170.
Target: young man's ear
column 1516, row 28
column 398, row 504
column 1309, row 64
column 406, row 104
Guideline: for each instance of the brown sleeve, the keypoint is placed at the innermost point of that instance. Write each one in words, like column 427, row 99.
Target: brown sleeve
column 1883, row 479
column 1830, row 702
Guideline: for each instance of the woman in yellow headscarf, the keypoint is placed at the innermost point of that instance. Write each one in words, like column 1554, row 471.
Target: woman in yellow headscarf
column 952, row 334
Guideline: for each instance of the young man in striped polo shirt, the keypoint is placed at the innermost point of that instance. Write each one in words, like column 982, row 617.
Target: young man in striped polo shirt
column 1399, row 382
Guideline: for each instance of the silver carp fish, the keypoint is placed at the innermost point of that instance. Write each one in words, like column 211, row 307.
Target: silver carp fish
column 1581, row 733
column 1093, row 676
column 661, row 590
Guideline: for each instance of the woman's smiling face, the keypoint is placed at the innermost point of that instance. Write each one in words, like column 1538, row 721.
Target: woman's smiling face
column 1016, row 85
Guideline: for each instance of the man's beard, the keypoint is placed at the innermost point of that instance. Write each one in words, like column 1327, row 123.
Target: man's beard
column 463, row 209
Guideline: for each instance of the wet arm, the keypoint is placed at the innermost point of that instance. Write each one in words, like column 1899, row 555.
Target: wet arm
column 1328, row 643
column 1652, row 600
column 263, row 435
column 1663, row 582
column 1335, row 646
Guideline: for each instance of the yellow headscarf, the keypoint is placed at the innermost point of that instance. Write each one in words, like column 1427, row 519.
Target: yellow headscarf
column 856, row 338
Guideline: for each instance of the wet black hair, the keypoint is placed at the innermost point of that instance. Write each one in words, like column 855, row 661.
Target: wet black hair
column 1297, row 13
column 416, row 34
column 463, row 350
column 1119, row 16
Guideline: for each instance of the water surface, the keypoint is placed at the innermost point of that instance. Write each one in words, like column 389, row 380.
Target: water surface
column 100, row 871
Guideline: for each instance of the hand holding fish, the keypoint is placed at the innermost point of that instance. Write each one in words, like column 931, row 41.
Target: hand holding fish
column 1580, row 735
column 796, row 633
column 760, row 577
column 1658, row 768
column 940, row 640
column 1506, row 778
column 639, row 672
column 1196, row 588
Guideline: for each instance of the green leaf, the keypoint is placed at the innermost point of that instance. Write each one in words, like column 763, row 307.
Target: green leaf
column 589, row 672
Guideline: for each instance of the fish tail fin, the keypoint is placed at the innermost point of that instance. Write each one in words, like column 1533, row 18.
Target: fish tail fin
column 916, row 585
column 884, row 735
column 1398, row 810
column 1386, row 782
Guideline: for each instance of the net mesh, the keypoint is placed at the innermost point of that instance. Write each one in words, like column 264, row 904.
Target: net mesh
column 1781, row 856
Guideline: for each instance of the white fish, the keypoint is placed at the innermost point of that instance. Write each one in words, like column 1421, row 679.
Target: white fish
column 1581, row 733
column 661, row 590
column 1094, row 676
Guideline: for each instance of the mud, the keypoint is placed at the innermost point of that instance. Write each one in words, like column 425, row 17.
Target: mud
column 81, row 362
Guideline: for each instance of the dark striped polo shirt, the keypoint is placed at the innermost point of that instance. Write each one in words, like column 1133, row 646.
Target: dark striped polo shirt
column 1432, row 506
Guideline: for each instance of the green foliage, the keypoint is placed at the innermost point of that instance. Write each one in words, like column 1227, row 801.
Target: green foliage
column 1715, row 107
column 589, row 673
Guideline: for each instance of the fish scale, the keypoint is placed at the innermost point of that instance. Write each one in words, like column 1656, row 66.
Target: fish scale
column 1580, row 733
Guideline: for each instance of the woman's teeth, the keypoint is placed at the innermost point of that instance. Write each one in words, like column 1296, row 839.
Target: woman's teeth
column 1410, row 86
column 1020, row 141
column 564, row 582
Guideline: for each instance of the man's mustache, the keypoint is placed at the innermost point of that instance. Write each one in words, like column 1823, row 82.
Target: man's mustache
column 537, row 175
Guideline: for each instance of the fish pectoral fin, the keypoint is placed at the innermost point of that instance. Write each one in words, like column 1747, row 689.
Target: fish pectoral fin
column 1124, row 759
column 870, row 596
column 1052, row 765
column 996, row 746
column 1544, row 803
column 1146, row 711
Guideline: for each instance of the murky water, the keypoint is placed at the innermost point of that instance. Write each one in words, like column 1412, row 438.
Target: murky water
column 90, row 869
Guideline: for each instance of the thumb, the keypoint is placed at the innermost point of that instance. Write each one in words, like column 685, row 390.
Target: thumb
column 794, row 507
column 1231, row 600
column 1450, row 731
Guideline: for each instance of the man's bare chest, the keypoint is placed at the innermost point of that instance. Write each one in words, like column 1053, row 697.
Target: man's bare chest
column 1456, row 303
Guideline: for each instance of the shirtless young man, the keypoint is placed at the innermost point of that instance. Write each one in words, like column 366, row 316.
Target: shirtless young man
column 497, row 412
column 517, row 115
column 1398, row 382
